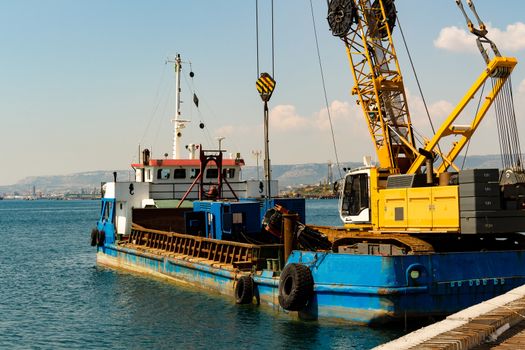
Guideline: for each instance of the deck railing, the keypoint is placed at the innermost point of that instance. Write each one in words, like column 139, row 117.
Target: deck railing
column 240, row 255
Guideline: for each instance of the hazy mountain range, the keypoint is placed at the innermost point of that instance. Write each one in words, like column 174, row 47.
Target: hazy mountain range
column 288, row 175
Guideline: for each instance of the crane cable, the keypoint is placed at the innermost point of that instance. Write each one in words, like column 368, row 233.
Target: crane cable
column 257, row 38
column 417, row 82
column 257, row 35
column 510, row 147
column 273, row 48
column 477, row 110
column 324, row 90
column 509, row 143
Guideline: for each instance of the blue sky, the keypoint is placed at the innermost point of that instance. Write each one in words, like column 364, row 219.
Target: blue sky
column 82, row 83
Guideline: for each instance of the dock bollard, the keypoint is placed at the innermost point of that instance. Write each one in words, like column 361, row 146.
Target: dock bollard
column 288, row 229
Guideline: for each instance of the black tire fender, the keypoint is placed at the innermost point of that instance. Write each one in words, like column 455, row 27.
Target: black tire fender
column 101, row 238
column 94, row 237
column 296, row 286
column 244, row 290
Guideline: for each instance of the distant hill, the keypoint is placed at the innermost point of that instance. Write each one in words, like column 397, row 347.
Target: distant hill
column 297, row 174
column 287, row 175
column 65, row 183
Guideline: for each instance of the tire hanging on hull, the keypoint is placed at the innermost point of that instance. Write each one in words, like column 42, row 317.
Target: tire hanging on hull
column 94, row 237
column 296, row 287
column 244, row 290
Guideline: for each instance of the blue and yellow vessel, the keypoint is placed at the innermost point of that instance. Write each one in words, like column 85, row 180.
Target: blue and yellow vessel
column 421, row 237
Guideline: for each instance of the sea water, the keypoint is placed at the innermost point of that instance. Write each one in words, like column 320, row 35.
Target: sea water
column 53, row 296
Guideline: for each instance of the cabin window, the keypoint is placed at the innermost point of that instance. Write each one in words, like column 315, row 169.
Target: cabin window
column 179, row 173
column 212, row 173
column 194, row 173
column 228, row 173
column 355, row 196
column 163, row 174
column 106, row 211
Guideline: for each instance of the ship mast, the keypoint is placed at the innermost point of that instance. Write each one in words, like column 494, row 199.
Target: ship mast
column 178, row 123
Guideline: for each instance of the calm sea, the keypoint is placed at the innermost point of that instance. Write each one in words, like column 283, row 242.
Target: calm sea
column 53, row 296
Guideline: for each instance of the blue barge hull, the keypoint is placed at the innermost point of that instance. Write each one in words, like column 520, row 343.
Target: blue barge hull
column 187, row 270
column 364, row 289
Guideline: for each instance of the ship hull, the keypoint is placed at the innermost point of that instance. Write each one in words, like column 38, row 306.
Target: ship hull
column 362, row 289
column 180, row 269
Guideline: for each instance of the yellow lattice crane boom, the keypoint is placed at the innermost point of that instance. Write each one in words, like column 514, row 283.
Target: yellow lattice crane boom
column 365, row 28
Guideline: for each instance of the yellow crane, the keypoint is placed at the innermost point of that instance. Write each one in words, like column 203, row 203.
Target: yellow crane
column 366, row 31
column 409, row 190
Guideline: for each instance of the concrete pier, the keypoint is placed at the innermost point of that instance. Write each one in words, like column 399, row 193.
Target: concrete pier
column 497, row 323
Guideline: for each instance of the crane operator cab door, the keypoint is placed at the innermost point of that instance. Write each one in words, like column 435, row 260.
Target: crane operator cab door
column 354, row 203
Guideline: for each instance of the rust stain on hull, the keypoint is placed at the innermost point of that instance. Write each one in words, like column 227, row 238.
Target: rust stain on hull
column 119, row 263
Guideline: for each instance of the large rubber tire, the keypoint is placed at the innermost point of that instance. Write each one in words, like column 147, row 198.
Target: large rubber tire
column 101, row 238
column 296, row 287
column 244, row 290
column 94, row 237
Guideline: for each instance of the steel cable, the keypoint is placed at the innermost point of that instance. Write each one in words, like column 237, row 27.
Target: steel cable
column 509, row 142
column 325, row 94
column 499, row 127
column 417, row 82
column 257, row 35
column 514, row 124
column 470, row 138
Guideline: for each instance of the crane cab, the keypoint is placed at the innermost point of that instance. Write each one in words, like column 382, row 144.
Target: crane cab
column 373, row 199
column 355, row 197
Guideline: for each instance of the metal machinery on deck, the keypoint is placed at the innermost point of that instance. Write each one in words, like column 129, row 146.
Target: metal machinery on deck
column 411, row 190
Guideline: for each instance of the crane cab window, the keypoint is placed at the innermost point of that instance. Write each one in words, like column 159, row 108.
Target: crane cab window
column 355, row 196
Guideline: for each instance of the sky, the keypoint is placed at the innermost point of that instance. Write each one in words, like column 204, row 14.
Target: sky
column 84, row 83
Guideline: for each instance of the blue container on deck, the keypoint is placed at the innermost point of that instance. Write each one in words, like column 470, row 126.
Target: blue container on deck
column 230, row 220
